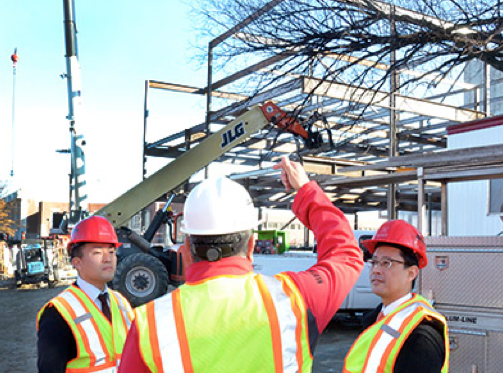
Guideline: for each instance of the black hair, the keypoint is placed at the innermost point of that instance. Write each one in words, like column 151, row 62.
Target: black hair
column 76, row 250
column 215, row 247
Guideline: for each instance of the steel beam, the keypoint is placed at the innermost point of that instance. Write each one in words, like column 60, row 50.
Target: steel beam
column 347, row 92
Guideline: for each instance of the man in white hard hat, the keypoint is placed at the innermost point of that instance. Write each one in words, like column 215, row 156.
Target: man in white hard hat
column 225, row 318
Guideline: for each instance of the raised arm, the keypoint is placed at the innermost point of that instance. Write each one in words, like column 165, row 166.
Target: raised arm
column 326, row 284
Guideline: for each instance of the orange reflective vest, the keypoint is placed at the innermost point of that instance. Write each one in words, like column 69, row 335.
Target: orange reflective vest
column 245, row 323
column 377, row 348
column 99, row 342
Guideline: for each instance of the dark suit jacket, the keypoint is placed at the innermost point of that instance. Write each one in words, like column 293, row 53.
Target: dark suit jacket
column 422, row 352
column 56, row 344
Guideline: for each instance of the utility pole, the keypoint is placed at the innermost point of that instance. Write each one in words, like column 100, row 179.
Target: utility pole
column 78, row 194
column 14, row 58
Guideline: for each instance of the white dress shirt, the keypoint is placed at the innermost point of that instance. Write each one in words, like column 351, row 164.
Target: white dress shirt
column 392, row 306
column 92, row 291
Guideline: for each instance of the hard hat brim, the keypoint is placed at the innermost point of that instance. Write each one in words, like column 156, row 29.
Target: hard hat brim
column 371, row 244
column 213, row 232
column 71, row 243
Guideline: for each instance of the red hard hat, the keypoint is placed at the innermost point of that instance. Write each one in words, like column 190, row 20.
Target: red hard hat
column 399, row 232
column 94, row 229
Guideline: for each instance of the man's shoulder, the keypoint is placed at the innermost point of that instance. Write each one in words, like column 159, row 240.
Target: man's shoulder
column 423, row 351
column 427, row 339
column 370, row 317
column 51, row 316
column 51, row 302
column 429, row 329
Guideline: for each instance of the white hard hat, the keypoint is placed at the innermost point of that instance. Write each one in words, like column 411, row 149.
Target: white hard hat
column 218, row 206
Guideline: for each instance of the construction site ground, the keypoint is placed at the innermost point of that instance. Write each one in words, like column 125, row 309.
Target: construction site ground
column 18, row 337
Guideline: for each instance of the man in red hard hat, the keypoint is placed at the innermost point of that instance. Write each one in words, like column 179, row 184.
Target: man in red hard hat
column 404, row 334
column 84, row 328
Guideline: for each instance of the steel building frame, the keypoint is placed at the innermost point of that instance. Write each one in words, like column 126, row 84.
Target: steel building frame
column 359, row 172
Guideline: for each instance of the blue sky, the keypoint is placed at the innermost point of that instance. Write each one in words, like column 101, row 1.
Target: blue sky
column 121, row 44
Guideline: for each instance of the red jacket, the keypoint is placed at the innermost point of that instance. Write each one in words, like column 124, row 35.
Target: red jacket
column 324, row 286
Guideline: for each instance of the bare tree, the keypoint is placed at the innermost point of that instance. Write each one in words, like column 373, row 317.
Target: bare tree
column 359, row 42
column 8, row 220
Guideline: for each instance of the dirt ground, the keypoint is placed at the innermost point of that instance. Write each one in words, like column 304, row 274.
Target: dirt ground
column 18, row 338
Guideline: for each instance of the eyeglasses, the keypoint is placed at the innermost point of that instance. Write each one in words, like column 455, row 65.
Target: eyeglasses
column 384, row 263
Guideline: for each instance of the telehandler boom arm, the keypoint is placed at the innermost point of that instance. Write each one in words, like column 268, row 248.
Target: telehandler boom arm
column 119, row 211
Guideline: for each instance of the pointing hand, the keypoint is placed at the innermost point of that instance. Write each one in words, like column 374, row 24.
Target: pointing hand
column 293, row 174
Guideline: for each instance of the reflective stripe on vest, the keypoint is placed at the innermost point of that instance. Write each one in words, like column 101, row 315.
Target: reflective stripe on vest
column 377, row 348
column 303, row 350
column 98, row 346
column 123, row 315
column 193, row 328
column 125, row 308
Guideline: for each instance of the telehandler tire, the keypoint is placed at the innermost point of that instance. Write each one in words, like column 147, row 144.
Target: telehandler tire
column 141, row 278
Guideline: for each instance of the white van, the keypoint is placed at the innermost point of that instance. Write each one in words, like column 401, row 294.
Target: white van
column 359, row 299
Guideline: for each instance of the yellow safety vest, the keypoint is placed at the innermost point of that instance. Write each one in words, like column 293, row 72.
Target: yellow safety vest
column 377, row 348
column 99, row 342
column 246, row 323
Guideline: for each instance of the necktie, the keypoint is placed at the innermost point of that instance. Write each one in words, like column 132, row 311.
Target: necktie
column 380, row 316
column 104, row 305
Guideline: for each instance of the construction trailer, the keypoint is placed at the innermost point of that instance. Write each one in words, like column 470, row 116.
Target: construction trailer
column 462, row 278
column 485, row 205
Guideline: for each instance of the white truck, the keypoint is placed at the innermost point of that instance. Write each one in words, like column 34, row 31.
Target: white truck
column 358, row 300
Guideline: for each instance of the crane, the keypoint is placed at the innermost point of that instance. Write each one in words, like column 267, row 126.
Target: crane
column 78, row 195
